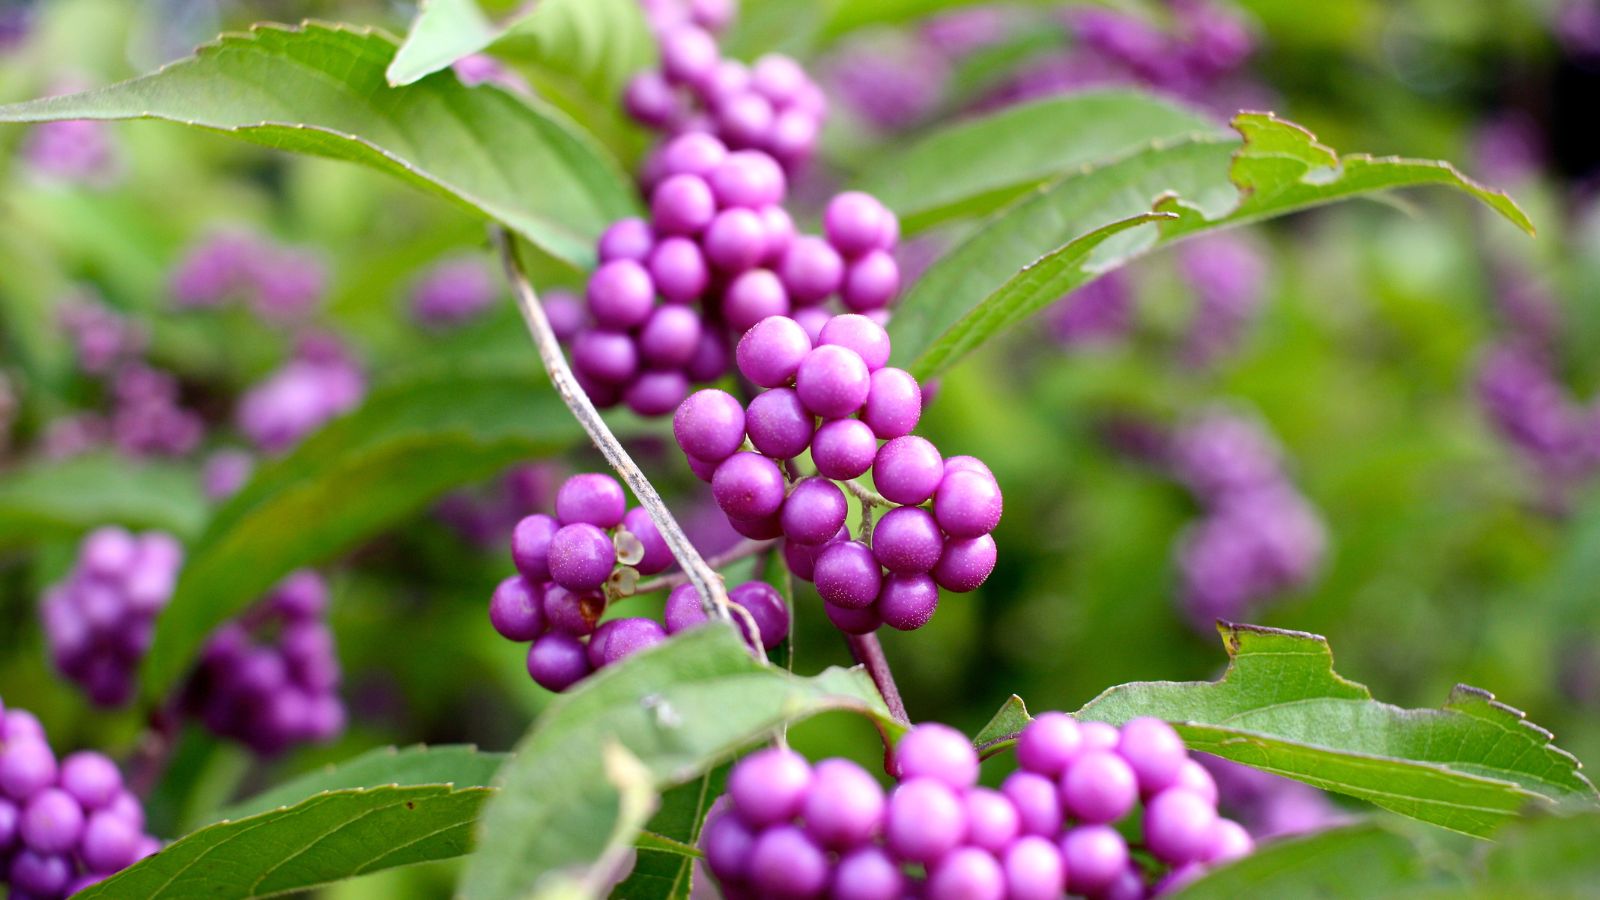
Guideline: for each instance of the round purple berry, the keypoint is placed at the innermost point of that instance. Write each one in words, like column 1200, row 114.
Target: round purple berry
column 894, row 403
column 694, row 153
column 770, row 352
column 91, row 779
column 967, row 504
column 682, row 205
column 777, row 77
column 867, row 873
column 656, row 393
column 678, row 270
column 779, row 425
column 1037, row 800
column 618, row 639
column 745, row 119
column 650, row 100
column 992, row 821
column 710, row 358
column 1033, row 870
column 736, row 240
column 571, row 612
column 787, row 865
column 753, row 296
column 748, row 486
column 749, row 179
column 1154, row 751
column 581, row 557
column 530, row 546
column 1178, row 826
column 52, row 822
column 847, row 575
column 769, row 786
column 1229, row 841
column 870, row 283
column 925, row 820
column 26, row 765
column 844, row 806
column 811, row 270
column 1193, row 777
column 833, row 382
column 855, row 223
column 907, row 540
column 1048, row 743
column 726, row 843
column 657, row 555
column 110, row 843
column 853, row 621
column 966, row 874
column 965, row 563
column 516, row 609
column 936, row 751
column 670, row 337
column 629, row 238
column 844, row 449
column 591, row 497
column 765, row 605
column 688, row 55
column 760, row 528
column 815, row 511
column 557, row 661
column 780, row 232
column 907, row 602
column 39, row 874
column 859, row 333
column 1099, row 787
column 709, row 425
column 1096, row 855
column 621, row 294
column 606, row 357
column 907, row 470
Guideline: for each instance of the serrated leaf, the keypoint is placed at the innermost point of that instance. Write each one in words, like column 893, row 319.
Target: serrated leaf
column 1353, row 863
column 68, row 497
column 976, row 166
column 326, row 838
column 360, row 475
column 1002, row 729
column 1280, row 707
column 320, row 89
column 459, row 765
column 678, row 707
column 1042, row 247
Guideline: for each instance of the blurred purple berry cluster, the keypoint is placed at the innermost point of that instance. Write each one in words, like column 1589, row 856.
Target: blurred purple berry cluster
column 64, row 824
column 321, row 382
column 832, row 393
column 1536, row 414
column 1271, row 806
column 270, row 679
column 99, row 620
column 486, row 516
column 279, row 283
column 453, row 291
column 1258, row 538
column 79, row 151
column 790, row 829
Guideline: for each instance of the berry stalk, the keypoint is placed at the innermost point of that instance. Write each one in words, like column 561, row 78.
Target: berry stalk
column 869, row 653
column 713, row 596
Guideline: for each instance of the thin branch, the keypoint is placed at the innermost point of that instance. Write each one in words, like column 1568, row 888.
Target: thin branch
column 866, row 495
column 742, row 550
column 713, row 596
column 869, row 653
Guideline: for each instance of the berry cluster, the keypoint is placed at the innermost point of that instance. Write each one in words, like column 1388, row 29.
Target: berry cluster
column 279, row 283
column 100, row 618
column 840, row 377
column 1227, row 274
column 321, row 382
column 64, row 825
column 270, row 679
column 1259, row 536
column 74, row 150
column 792, row 830
column 1556, row 435
column 1270, row 806
column 772, row 106
column 453, row 292
column 485, row 516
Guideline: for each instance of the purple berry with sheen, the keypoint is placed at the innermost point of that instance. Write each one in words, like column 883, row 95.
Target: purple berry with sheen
column 867, row 873
column 1154, row 751
column 856, row 222
column 1099, row 787
column 682, row 205
column 992, row 821
column 925, row 820
column 894, row 403
column 1037, row 801
column 907, row 602
column 1229, row 841
column 769, row 786
column 779, row 425
column 770, row 353
column 907, row 541
column 606, row 357
column 936, row 751
column 748, row 486
column 907, row 470
column 815, row 511
column 753, row 296
column 657, row 555
column 736, row 240
column 784, row 863
column 844, row 806
column 748, row 179
column 859, row 333
column 847, row 575
column 1048, row 744
column 91, row 779
column 853, row 621
column 1096, row 856
column 833, row 382
column 967, row 504
column 1033, row 869
column 581, row 557
column 591, row 497
column 516, row 610
column 670, row 337
column 811, row 270
column 626, row 239
column 766, row 607
column 571, row 612
column 621, row 294
column 618, row 639
column 557, row 661
column 709, row 425
column 843, row 449
column 1178, row 826
column 679, row 272
column 530, row 546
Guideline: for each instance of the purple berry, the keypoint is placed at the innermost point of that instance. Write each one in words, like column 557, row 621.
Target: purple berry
column 925, row 820
column 968, row 464
column 571, row 612
column 657, row 555
column 777, row 77
column 1193, row 777
column 847, row 575
column 1099, row 787
column 779, row 424
column 967, row 504
column 870, row 283
column 91, row 779
column 769, row 786
column 833, row 382
column 992, row 821
column 965, row 563
column 1178, row 826
column 695, row 153
column 811, row 270
column 906, row 540
column 748, row 178
column 618, row 639
column 670, row 337
column 745, row 119
column 1154, row 751
column 815, row 511
column 761, row 528
column 966, row 874
column 843, row 449
column 785, row 864
column 766, row 607
column 621, row 294
column 678, row 270
column 39, row 874
column 907, row 602
column 688, row 55
column 591, row 497
column 780, row 231
column 557, row 661
column 853, row 621
column 844, row 807
column 606, row 357
column 581, row 557
column 770, row 353
column 1033, row 870
column 52, row 822
column 110, row 843
column 894, row 403
column 855, row 223
column 1048, row 744
column 682, row 205
column 859, row 333
column 1229, row 841
column 26, row 765
column 1096, row 856
column 709, row 425
column 736, row 240
column 726, row 843
column 683, row 610
column 656, row 393
column 867, row 873
column 567, row 314
column 530, row 546
column 753, row 296
column 710, row 358
column 936, row 751
column 748, row 486
column 650, row 100
column 626, row 239
column 1037, row 800
column 516, row 609
column 907, row 470
column 793, row 136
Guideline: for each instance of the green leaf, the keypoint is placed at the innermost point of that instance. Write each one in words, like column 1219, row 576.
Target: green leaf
column 68, row 497
column 360, row 475
column 458, row 765
column 679, row 708
column 636, row 800
column 1353, row 863
column 327, row 838
column 1280, row 707
column 1001, row 732
column 320, row 89
column 1042, row 247
column 665, row 864
column 977, row 166
column 442, row 32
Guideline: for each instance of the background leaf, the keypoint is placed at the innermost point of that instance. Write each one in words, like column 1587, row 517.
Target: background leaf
column 1280, row 707
column 442, row 32
column 357, row 477
column 458, row 765
column 1037, row 250
column 1001, row 732
column 976, row 166
column 662, row 871
column 678, row 708
column 320, row 89
column 68, row 497
column 1351, row 863
column 327, row 838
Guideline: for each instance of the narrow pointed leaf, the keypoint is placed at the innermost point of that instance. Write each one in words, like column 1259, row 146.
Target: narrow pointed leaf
column 320, row 89
column 1002, row 730
column 679, row 708
column 1042, row 247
